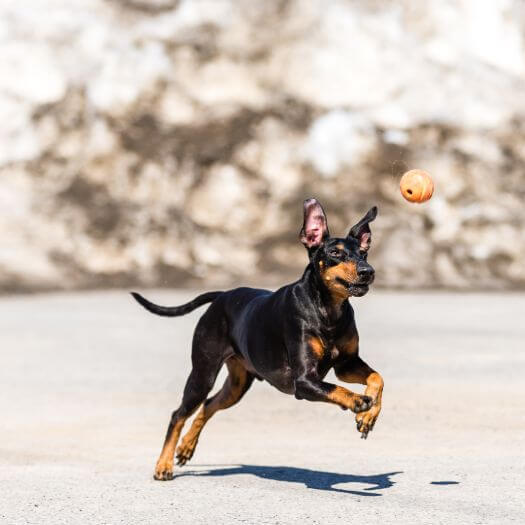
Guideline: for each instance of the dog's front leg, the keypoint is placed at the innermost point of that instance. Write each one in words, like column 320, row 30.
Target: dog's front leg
column 304, row 361
column 313, row 389
column 357, row 371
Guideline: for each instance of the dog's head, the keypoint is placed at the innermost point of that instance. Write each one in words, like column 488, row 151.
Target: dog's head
column 339, row 262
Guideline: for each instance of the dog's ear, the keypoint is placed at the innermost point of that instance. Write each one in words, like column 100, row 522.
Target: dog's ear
column 361, row 230
column 315, row 226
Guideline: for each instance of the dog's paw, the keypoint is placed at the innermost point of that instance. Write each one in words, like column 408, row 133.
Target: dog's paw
column 361, row 403
column 366, row 420
column 163, row 471
column 185, row 452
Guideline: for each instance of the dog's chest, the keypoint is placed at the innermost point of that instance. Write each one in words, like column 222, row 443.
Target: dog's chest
column 348, row 346
column 333, row 351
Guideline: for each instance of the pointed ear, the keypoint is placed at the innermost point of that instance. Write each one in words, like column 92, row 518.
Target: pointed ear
column 315, row 227
column 361, row 231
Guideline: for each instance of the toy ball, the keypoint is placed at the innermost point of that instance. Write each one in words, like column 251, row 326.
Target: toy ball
column 416, row 186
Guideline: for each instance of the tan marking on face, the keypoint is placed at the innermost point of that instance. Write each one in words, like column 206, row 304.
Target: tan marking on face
column 340, row 245
column 346, row 271
column 317, row 347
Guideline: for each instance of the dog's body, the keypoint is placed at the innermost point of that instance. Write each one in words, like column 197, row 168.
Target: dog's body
column 290, row 338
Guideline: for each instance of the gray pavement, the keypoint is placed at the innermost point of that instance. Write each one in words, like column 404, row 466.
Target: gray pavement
column 88, row 380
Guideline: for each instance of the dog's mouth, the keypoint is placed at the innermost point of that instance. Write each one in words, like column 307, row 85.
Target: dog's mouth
column 358, row 290
column 355, row 289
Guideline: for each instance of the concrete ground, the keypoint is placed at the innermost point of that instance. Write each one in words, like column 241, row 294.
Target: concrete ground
column 88, row 381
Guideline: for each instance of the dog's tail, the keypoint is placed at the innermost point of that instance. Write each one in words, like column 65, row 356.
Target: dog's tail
column 175, row 311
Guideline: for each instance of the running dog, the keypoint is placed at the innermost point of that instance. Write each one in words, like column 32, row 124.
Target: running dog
column 290, row 338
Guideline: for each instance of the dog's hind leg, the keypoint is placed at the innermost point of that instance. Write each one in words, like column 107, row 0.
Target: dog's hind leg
column 195, row 393
column 236, row 385
column 209, row 351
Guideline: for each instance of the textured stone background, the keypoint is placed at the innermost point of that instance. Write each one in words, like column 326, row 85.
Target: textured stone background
column 165, row 142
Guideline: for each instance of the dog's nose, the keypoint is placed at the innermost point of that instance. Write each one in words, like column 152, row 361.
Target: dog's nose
column 365, row 272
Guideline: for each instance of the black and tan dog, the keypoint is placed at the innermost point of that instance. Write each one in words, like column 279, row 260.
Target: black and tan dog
column 290, row 338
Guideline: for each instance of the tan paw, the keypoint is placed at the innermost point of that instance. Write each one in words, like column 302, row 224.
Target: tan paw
column 366, row 420
column 163, row 470
column 361, row 403
column 185, row 451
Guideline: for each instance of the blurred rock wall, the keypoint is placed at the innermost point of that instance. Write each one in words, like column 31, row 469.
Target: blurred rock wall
column 165, row 142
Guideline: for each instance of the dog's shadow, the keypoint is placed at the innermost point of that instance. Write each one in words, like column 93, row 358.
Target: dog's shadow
column 313, row 479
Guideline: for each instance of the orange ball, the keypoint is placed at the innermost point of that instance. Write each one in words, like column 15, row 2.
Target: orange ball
column 416, row 186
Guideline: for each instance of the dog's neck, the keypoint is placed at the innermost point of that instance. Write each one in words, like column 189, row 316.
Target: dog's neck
column 330, row 309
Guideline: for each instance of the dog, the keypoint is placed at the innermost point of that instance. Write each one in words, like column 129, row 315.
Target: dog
column 291, row 337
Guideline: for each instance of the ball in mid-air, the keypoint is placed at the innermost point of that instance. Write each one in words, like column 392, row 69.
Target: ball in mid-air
column 416, row 186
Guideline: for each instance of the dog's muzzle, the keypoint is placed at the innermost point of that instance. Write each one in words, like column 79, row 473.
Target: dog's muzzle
column 356, row 289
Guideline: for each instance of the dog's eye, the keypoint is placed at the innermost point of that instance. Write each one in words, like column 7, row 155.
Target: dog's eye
column 334, row 253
